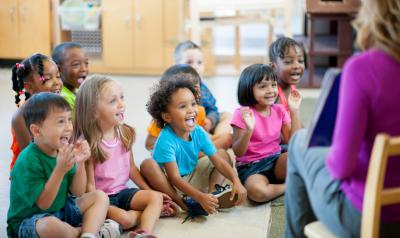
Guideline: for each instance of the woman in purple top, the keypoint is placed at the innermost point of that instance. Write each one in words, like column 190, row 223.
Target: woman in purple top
column 327, row 183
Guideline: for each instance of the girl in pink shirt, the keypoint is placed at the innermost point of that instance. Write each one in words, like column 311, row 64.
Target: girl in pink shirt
column 100, row 110
column 257, row 128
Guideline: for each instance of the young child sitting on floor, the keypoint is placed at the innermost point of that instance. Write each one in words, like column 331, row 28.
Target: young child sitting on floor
column 173, row 105
column 257, row 127
column 47, row 171
column 187, row 72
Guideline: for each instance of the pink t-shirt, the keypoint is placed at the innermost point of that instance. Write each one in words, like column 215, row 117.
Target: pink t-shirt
column 112, row 175
column 266, row 136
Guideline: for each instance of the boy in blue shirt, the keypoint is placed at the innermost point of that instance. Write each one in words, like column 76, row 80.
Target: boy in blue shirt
column 173, row 105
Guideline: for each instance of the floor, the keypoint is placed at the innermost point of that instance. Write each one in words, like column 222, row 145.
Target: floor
column 244, row 221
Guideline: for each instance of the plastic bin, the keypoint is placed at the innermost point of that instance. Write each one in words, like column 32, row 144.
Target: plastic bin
column 80, row 18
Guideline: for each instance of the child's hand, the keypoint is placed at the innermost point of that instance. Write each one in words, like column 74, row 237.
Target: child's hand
column 65, row 158
column 81, row 151
column 294, row 100
column 209, row 203
column 248, row 117
column 239, row 191
column 207, row 124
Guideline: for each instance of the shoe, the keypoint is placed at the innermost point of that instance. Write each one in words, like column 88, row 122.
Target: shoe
column 109, row 229
column 140, row 234
column 194, row 208
column 224, row 193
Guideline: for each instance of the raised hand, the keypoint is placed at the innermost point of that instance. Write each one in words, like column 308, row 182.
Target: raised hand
column 248, row 117
column 294, row 100
column 81, row 151
column 65, row 158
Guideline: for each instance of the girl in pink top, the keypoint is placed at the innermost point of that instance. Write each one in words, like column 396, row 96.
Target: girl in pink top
column 287, row 59
column 257, row 128
column 100, row 110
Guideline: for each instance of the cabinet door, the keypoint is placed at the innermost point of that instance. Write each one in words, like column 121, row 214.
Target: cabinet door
column 34, row 22
column 9, row 29
column 149, row 49
column 117, row 24
column 173, row 28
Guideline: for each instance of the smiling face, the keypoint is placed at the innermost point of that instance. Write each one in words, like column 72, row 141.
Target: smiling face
column 74, row 68
column 194, row 58
column 290, row 68
column 52, row 81
column 181, row 112
column 53, row 132
column 265, row 92
column 110, row 108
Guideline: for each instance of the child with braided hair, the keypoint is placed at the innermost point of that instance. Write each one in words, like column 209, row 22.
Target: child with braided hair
column 37, row 73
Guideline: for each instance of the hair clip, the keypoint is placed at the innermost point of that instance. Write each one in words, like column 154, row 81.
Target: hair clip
column 41, row 78
column 18, row 65
column 21, row 92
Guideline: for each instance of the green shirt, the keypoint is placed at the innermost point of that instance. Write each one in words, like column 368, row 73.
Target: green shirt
column 69, row 96
column 28, row 178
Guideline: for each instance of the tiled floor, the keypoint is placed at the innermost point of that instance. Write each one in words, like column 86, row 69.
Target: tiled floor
column 245, row 221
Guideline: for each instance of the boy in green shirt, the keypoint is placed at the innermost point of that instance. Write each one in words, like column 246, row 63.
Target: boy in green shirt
column 46, row 171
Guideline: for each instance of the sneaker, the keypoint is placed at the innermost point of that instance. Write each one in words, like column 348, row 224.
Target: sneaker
column 194, row 208
column 109, row 229
column 224, row 193
column 140, row 234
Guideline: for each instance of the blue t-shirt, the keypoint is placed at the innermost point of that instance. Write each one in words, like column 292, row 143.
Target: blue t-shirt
column 169, row 147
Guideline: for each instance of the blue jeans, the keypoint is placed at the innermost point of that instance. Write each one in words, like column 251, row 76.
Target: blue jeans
column 70, row 214
column 311, row 194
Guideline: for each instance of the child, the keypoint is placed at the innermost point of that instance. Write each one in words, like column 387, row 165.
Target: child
column 287, row 59
column 217, row 123
column 186, row 72
column 73, row 64
column 328, row 183
column 100, row 112
column 37, row 73
column 46, row 171
column 257, row 127
column 173, row 105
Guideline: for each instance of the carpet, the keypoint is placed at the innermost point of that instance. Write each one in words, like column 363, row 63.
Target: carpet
column 276, row 227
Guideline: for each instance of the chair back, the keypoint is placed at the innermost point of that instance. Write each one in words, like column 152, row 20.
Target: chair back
column 375, row 195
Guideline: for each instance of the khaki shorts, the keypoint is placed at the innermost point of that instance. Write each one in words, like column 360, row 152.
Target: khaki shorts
column 200, row 176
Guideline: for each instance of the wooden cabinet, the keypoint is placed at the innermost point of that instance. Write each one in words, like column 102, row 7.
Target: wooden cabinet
column 138, row 36
column 24, row 28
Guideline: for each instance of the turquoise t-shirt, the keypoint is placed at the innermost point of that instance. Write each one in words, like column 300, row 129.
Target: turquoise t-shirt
column 28, row 178
column 169, row 147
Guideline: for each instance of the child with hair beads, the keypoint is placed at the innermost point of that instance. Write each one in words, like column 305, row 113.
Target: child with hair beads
column 257, row 128
column 286, row 57
column 185, row 71
column 37, row 73
column 46, row 171
column 100, row 112
column 73, row 64
column 173, row 105
column 328, row 183
column 216, row 123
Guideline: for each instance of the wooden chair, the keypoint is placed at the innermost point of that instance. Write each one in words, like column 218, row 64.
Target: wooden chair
column 377, row 196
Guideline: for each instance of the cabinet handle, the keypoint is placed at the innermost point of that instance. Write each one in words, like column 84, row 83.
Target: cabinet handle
column 23, row 13
column 138, row 20
column 11, row 12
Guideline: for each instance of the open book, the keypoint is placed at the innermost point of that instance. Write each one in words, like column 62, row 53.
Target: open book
column 322, row 125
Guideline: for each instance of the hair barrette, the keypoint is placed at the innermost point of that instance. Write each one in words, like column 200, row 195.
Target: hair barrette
column 21, row 92
column 18, row 65
column 41, row 78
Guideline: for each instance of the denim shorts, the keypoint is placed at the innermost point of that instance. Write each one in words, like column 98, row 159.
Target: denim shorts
column 70, row 213
column 263, row 166
column 123, row 198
